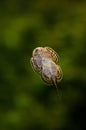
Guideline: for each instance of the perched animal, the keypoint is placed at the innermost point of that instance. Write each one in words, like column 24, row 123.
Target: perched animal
column 44, row 61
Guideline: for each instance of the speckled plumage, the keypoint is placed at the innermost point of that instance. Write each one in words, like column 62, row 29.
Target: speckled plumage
column 44, row 61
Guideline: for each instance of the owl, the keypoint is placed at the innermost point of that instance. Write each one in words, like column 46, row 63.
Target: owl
column 44, row 61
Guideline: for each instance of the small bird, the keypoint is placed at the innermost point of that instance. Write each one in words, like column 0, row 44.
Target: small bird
column 44, row 61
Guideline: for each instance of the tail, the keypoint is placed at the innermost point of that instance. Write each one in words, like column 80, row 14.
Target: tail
column 55, row 83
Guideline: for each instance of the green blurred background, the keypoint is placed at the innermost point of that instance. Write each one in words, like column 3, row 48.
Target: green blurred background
column 26, row 102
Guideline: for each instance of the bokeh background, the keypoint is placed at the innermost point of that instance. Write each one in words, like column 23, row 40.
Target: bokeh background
column 26, row 102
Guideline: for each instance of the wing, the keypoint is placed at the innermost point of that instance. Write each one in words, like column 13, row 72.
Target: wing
column 36, row 63
column 34, row 66
column 59, row 73
column 54, row 55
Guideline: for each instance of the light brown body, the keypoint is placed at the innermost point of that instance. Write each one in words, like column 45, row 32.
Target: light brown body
column 44, row 62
